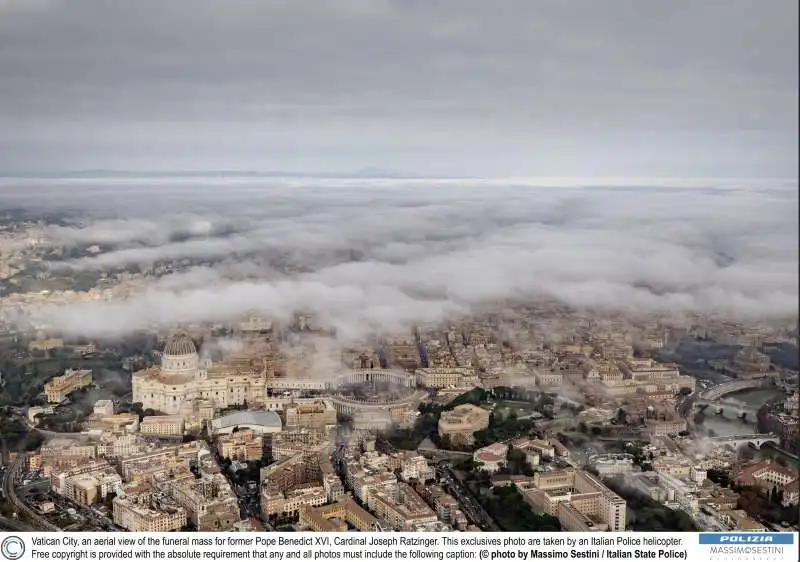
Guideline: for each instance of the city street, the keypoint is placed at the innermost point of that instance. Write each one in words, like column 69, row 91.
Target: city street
column 10, row 492
column 469, row 505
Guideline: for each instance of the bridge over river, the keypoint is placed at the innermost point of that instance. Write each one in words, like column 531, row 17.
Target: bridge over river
column 755, row 439
column 717, row 397
column 733, row 406
column 717, row 392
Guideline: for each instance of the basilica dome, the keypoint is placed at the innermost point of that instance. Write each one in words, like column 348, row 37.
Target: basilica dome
column 180, row 357
column 179, row 346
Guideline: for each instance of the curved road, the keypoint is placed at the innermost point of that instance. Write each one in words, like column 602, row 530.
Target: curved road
column 10, row 491
column 7, row 524
column 45, row 432
column 53, row 434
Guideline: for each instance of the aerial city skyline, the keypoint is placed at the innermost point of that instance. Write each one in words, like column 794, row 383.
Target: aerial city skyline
column 372, row 265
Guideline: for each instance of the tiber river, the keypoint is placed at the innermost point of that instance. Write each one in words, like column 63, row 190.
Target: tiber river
column 729, row 424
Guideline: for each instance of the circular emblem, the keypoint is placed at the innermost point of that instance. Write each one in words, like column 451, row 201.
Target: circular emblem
column 12, row 548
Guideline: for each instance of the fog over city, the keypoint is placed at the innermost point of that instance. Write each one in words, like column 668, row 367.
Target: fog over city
column 366, row 257
column 257, row 152
column 399, row 266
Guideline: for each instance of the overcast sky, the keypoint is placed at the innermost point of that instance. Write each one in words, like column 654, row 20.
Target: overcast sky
column 462, row 87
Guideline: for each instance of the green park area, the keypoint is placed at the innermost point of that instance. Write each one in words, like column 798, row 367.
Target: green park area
column 508, row 508
column 26, row 372
column 16, row 434
column 645, row 514
column 505, row 422
column 506, row 408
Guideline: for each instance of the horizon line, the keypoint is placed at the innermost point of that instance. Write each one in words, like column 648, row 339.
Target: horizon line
column 367, row 173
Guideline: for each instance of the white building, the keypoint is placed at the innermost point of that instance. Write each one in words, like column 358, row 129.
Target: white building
column 183, row 378
column 162, row 425
column 104, row 408
column 614, row 465
column 259, row 422
column 548, row 379
column 447, row 377
column 698, row 475
column 491, row 458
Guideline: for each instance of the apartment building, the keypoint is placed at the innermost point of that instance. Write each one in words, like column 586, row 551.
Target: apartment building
column 288, row 504
column 662, row 428
column 412, row 466
column 364, row 483
column 400, row 507
column 331, row 483
column 117, row 446
column 137, row 517
column 677, row 465
column 335, row 518
column 318, row 414
column 298, row 471
column 548, row 379
column 183, row 454
column 241, row 446
column 209, row 502
column 60, row 473
column 86, row 489
column 445, row 505
column 60, row 449
column 287, row 444
column 698, row 475
column 409, row 464
column 739, row 520
column 447, row 377
column 792, row 404
column 593, row 505
column 163, row 426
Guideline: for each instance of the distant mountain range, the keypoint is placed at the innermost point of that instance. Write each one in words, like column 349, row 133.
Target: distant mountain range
column 371, row 172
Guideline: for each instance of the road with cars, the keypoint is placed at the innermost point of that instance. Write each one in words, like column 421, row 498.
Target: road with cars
column 10, row 492
column 469, row 505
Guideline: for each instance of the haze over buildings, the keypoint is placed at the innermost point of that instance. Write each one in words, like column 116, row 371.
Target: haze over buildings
column 414, row 266
column 351, row 97
column 384, row 256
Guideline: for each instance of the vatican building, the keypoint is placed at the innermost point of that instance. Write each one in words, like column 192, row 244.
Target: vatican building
column 183, row 379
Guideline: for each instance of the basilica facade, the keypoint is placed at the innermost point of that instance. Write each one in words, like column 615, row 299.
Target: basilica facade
column 183, row 379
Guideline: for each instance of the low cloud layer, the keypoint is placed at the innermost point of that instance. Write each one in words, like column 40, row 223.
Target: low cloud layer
column 368, row 256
